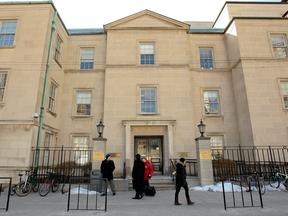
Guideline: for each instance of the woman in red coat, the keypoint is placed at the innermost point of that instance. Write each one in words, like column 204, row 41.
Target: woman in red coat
column 148, row 172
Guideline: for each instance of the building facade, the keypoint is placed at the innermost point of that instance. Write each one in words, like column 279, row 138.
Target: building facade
column 150, row 78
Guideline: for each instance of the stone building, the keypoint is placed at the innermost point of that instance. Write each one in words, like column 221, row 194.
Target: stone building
column 150, row 78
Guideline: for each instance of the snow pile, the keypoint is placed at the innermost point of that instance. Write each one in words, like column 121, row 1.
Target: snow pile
column 84, row 191
column 228, row 188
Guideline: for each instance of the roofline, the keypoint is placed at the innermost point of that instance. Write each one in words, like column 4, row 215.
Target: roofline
column 243, row 2
column 38, row 2
column 231, row 21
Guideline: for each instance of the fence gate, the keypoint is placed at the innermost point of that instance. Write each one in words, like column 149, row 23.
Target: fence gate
column 86, row 196
column 239, row 197
column 4, row 203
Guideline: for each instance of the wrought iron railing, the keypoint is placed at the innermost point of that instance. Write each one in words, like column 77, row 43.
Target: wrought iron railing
column 236, row 160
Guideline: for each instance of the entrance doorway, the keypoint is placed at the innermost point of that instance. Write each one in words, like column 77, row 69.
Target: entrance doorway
column 151, row 148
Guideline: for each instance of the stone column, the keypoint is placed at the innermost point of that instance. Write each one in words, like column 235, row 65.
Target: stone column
column 128, row 154
column 99, row 152
column 204, row 160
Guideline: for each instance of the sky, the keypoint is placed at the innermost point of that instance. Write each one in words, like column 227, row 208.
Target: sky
column 94, row 14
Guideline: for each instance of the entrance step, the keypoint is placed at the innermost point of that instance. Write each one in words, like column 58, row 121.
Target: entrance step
column 160, row 182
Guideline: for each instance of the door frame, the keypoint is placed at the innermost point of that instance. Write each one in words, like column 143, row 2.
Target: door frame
column 161, row 151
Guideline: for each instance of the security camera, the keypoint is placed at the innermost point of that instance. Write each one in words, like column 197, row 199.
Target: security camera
column 36, row 115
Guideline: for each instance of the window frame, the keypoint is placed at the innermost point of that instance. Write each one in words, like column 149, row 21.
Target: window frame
column 47, row 145
column 280, row 81
column 87, row 59
column 58, row 49
column 139, row 106
column 145, row 54
column 220, row 112
column 53, row 110
column 213, row 57
column 215, row 149
column 5, row 86
column 86, row 151
column 284, row 47
column 76, row 104
column 8, row 33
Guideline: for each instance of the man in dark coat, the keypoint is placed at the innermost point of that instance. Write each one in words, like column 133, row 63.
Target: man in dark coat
column 181, row 181
column 107, row 168
column 138, row 177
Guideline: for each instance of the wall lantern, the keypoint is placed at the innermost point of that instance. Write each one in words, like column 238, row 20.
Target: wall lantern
column 100, row 128
column 201, row 127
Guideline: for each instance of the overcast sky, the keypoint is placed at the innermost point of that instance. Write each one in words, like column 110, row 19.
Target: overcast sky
column 95, row 14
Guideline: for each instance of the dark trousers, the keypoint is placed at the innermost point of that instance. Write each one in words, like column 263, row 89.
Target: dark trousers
column 146, row 183
column 178, row 188
column 138, row 193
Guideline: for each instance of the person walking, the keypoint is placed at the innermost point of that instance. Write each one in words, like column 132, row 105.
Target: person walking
column 107, row 168
column 181, row 181
column 148, row 172
column 138, row 177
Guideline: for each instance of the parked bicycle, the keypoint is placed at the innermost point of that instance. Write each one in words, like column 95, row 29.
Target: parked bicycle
column 23, row 188
column 277, row 178
column 51, row 183
column 253, row 181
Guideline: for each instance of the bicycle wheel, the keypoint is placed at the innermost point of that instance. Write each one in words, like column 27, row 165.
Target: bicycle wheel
column 55, row 185
column 45, row 188
column 262, row 186
column 35, row 185
column 246, row 183
column 12, row 190
column 23, row 189
column 274, row 181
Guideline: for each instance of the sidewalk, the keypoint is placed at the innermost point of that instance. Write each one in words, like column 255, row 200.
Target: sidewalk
column 206, row 203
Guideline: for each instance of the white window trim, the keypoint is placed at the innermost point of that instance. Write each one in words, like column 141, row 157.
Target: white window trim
column 58, row 60
column 80, row 135
column 139, row 42
column 138, row 106
column 55, row 99
column 2, row 103
column 74, row 107
column 213, row 58
column 281, row 94
column 214, row 135
column 271, row 45
column 221, row 111
column 15, row 34
column 80, row 51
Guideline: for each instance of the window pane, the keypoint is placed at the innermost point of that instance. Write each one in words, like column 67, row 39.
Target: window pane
column 211, row 103
column 81, row 154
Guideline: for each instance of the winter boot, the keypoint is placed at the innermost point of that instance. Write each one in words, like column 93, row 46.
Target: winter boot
column 176, row 201
column 189, row 201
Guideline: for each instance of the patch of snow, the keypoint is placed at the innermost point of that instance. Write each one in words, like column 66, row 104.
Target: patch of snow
column 228, row 188
column 84, row 191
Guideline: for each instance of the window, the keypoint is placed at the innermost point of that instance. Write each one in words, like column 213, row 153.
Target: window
column 58, row 49
column 3, row 78
column 83, row 103
column 279, row 43
column 147, row 54
column 52, row 98
column 216, row 144
column 284, row 89
column 87, row 59
column 7, row 33
column 206, row 58
column 47, row 144
column 211, row 103
column 81, row 144
column 148, row 100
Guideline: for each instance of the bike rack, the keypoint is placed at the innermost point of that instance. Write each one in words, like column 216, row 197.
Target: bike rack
column 243, row 199
column 85, row 198
column 9, row 191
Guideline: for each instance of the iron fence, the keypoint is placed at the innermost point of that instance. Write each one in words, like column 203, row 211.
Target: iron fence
column 191, row 166
column 244, row 198
column 237, row 160
column 87, row 195
column 8, row 193
column 76, row 162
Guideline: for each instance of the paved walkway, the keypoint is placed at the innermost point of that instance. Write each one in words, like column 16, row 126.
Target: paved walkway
column 206, row 203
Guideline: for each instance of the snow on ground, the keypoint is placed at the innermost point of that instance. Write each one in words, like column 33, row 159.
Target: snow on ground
column 228, row 188
column 84, row 191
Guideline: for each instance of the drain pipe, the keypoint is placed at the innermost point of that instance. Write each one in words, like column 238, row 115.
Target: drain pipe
column 44, row 92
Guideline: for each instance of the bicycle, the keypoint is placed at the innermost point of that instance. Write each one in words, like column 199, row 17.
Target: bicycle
column 13, row 187
column 51, row 183
column 276, row 179
column 252, row 181
column 23, row 188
